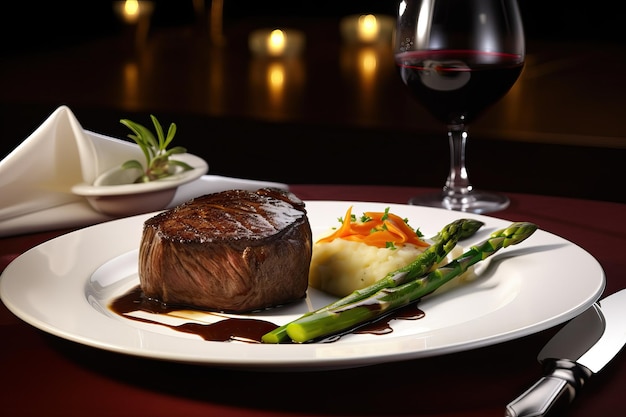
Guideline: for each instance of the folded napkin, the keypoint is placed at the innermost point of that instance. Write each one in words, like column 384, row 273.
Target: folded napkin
column 59, row 154
column 37, row 177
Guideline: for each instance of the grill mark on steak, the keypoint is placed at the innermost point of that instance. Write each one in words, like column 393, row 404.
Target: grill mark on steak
column 231, row 251
column 232, row 215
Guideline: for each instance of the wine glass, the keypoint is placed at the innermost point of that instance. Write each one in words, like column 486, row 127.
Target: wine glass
column 457, row 58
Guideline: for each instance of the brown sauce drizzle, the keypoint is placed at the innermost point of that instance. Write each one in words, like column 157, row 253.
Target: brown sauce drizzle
column 382, row 326
column 240, row 329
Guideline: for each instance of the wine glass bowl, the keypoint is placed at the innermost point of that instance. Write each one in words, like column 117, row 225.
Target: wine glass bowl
column 457, row 58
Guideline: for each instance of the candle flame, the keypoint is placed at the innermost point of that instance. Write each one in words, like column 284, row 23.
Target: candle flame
column 131, row 11
column 131, row 7
column 276, row 42
column 368, row 28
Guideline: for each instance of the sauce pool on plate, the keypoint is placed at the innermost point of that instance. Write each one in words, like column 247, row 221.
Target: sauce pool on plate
column 242, row 329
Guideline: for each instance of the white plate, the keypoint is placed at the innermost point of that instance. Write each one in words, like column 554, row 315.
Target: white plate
column 63, row 287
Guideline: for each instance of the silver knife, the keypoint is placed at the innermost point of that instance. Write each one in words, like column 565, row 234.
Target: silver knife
column 580, row 349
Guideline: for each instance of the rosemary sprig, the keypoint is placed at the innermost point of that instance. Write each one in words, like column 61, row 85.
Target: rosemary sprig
column 158, row 162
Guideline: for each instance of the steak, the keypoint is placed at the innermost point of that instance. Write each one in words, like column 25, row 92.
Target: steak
column 232, row 251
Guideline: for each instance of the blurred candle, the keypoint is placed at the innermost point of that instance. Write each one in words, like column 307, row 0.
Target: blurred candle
column 276, row 42
column 130, row 11
column 137, row 16
column 367, row 28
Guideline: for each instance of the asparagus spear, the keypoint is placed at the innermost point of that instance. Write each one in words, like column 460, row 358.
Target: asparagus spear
column 444, row 241
column 347, row 317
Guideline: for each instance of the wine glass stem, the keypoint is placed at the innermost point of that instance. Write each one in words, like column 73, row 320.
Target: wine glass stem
column 457, row 184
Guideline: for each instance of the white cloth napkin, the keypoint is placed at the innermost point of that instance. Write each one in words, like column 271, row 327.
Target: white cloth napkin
column 37, row 177
column 41, row 171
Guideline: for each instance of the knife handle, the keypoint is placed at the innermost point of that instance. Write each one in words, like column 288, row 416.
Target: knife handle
column 555, row 390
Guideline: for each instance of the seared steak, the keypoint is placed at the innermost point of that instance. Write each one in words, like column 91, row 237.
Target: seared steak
column 233, row 251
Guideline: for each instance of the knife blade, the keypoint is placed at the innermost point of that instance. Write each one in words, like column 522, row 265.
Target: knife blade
column 584, row 346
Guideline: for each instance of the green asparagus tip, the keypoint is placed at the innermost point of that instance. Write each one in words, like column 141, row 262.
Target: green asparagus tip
column 515, row 233
column 469, row 227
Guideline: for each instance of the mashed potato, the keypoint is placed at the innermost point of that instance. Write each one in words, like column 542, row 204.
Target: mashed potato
column 341, row 266
column 364, row 250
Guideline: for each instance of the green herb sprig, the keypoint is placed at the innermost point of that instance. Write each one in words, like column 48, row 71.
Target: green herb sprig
column 158, row 162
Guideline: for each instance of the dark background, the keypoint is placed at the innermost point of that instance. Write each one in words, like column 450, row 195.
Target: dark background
column 577, row 150
column 45, row 25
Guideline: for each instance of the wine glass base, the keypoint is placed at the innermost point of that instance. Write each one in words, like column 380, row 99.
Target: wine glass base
column 472, row 202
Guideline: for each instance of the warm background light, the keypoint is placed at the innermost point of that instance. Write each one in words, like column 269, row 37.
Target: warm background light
column 131, row 84
column 276, row 82
column 367, row 28
column 276, row 42
column 131, row 11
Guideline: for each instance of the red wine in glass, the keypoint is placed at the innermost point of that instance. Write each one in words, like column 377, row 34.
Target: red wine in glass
column 458, row 85
column 457, row 58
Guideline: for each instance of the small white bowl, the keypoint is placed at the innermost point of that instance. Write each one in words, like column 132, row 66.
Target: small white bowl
column 114, row 194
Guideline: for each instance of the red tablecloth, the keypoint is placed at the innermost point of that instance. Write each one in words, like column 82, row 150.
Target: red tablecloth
column 42, row 375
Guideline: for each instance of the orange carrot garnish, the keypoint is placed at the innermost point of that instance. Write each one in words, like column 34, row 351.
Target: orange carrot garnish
column 380, row 229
